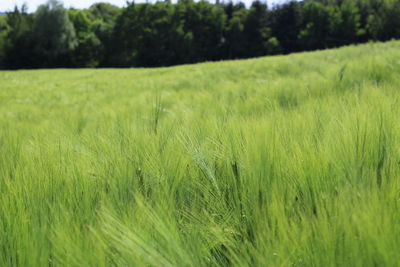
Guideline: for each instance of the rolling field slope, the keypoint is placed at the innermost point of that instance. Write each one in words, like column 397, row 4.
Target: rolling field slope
column 281, row 161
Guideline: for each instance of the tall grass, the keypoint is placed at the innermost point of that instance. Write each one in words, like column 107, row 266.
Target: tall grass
column 282, row 161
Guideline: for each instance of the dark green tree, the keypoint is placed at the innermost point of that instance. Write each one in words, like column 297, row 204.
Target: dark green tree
column 383, row 22
column 103, row 17
column 258, row 33
column 54, row 35
column 88, row 52
column 287, row 20
column 104, row 12
column 205, row 24
column 234, row 39
column 351, row 23
column 317, row 25
column 3, row 32
column 18, row 43
column 149, row 35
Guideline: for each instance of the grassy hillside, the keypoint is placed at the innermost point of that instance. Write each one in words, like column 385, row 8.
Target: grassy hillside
column 281, row 161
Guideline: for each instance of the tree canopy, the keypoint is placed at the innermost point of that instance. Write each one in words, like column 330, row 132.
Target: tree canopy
column 165, row 33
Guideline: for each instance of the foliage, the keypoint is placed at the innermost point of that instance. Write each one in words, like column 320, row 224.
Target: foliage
column 54, row 34
column 3, row 32
column 150, row 35
column 279, row 161
column 89, row 48
column 257, row 32
column 104, row 12
column 18, row 41
column 165, row 33
column 287, row 22
column 234, row 41
column 383, row 23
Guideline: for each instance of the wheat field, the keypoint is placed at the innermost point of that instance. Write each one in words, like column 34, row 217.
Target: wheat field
column 278, row 161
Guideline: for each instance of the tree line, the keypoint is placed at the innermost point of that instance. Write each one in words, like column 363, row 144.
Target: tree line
column 165, row 33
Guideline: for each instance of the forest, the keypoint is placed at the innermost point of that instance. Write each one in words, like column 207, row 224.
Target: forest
column 165, row 33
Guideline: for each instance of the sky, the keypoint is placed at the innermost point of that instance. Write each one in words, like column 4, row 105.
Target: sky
column 7, row 5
